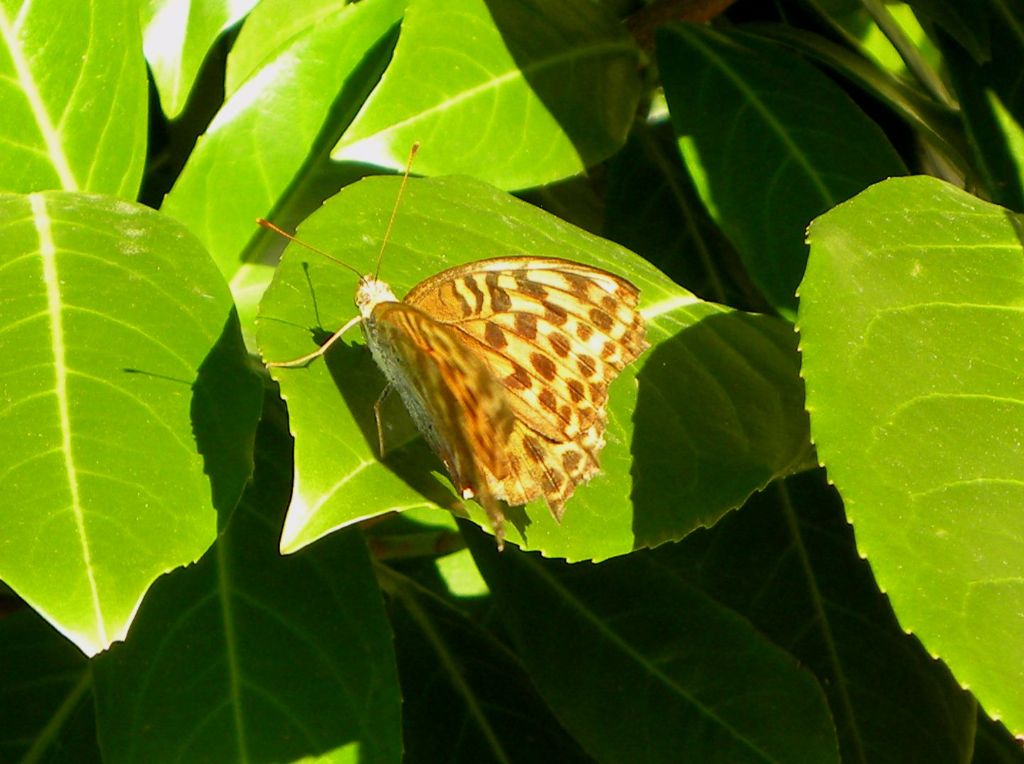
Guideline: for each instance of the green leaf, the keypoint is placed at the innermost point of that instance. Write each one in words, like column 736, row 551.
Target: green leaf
column 991, row 98
column 517, row 94
column 247, row 287
column 967, row 23
column 460, row 575
column 997, row 141
column 861, row 31
column 274, row 28
column 912, row 343
column 994, row 745
column 1007, row 48
column 73, row 97
column 122, row 351
column 176, row 38
column 718, row 414
column 771, row 142
column 627, row 651
column 248, row 656
column 269, row 124
column 787, row 561
column 465, row 695
column 45, row 695
column 648, row 184
column 938, row 126
column 1013, row 135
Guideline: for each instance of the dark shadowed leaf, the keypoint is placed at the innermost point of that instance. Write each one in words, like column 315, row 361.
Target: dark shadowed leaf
column 787, row 562
column 465, row 696
column 249, row 656
column 771, row 143
column 639, row 665
column 45, row 695
column 654, row 210
column 967, row 23
column 993, row 744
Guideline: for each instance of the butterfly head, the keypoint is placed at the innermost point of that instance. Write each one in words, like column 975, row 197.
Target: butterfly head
column 371, row 293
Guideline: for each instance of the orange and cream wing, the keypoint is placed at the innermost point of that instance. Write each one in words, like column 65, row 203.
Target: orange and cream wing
column 451, row 393
column 555, row 333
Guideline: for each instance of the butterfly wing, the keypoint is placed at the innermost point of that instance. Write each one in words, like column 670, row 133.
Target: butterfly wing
column 452, row 395
column 539, row 466
column 555, row 333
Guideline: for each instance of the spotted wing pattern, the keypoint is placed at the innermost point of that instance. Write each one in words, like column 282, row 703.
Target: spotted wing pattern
column 555, row 333
column 452, row 395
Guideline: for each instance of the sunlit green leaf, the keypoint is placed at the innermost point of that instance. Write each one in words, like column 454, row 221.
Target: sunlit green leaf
column 176, row 38
column 913, row 348
column 148, row 614
column 73, row 97
column 517, row 94
column 270, row 122
column 124, row 381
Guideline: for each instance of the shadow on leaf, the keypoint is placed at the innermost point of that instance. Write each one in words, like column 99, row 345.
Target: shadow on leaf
column 540, row 42
column 360, row 383
column 719, row 414
column 227, row 398
column 241, row 625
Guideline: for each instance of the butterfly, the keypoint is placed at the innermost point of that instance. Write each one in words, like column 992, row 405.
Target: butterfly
column 504, row 366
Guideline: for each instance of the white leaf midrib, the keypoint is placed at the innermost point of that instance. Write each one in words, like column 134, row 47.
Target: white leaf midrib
column 54, row 300
column 52, row 136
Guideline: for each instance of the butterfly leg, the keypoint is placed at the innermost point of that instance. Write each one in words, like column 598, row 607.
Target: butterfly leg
column 320, row 350
column 377, row 417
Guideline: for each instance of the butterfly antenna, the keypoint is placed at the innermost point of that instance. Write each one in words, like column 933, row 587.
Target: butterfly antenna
column 394, row 212
column 310, row 247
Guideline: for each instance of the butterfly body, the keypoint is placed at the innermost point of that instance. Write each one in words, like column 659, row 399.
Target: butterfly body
column 504, row 366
